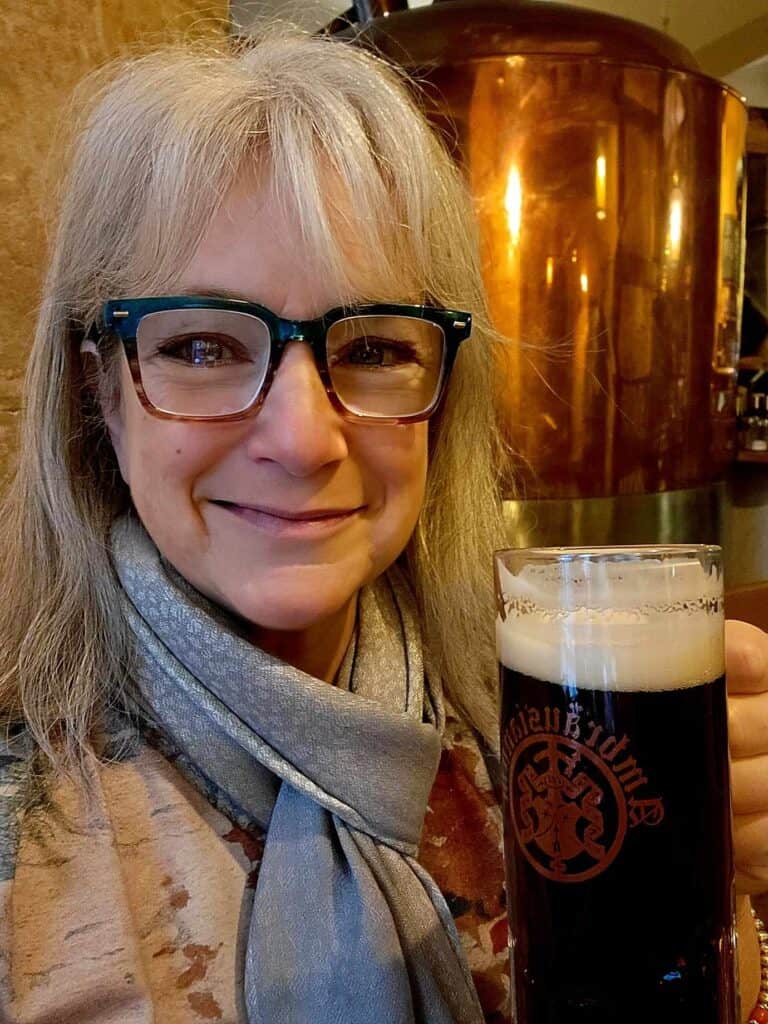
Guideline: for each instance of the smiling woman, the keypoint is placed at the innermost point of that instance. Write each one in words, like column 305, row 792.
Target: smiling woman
column 298, row 457
column 249, row 676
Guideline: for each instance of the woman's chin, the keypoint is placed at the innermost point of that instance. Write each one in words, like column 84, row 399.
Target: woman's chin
column 291, row 611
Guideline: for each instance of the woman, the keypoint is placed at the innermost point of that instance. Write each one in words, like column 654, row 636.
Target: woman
column 248, row 555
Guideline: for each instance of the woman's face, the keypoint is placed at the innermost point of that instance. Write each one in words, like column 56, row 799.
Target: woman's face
column 296, row 455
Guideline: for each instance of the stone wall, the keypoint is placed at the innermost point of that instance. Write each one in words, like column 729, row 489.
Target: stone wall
column 45, row 48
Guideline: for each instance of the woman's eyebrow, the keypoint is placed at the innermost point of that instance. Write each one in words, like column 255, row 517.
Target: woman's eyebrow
column 217, row 293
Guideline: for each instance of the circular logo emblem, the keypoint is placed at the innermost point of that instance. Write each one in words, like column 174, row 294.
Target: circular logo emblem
column 567, row 808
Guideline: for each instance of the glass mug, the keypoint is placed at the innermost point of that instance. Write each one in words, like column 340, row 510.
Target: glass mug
column 617, row 807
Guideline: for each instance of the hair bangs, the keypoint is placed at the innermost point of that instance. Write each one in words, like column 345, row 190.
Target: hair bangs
column 329, row 175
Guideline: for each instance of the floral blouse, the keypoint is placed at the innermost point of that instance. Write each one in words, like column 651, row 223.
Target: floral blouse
column 134, row 910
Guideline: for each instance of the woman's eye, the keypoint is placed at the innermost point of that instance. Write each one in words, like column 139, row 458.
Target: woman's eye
column 376, row 352
column 200, row 350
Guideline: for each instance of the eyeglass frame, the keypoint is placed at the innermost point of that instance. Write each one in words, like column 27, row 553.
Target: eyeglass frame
column 120, row 318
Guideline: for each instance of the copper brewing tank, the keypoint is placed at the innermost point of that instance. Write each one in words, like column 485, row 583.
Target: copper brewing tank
column 607, row 173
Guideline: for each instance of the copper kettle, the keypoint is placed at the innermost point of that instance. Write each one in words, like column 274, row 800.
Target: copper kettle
column 607, row 173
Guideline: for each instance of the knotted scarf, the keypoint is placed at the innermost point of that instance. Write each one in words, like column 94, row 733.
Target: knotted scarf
column 346, row 927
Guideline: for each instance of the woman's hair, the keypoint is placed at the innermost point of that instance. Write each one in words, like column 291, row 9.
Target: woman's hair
column 159, row 144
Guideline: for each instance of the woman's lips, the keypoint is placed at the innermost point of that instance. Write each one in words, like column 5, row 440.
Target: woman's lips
column 320, row 523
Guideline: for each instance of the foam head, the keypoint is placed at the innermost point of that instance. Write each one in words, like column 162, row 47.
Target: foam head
column 612, row 620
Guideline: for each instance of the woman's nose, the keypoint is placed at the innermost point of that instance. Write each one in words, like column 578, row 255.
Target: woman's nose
column 297, row 426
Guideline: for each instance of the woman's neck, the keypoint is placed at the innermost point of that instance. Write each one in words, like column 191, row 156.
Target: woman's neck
column 318, row 650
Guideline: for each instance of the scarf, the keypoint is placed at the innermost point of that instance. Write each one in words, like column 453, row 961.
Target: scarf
column 345, row 926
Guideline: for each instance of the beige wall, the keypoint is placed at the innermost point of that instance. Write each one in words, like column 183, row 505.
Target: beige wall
column 45, row 48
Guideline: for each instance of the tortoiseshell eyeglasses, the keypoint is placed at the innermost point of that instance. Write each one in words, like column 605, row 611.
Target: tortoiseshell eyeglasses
column 200, row 358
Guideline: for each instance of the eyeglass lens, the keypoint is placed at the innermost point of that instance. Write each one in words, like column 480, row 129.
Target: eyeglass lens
column 213, row 362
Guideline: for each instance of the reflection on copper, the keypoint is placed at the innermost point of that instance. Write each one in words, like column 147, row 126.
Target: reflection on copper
column 618, row 187
column 549, row 273
column 600, row 186
column 675, row 228
column 607, row 176
column 513, row 202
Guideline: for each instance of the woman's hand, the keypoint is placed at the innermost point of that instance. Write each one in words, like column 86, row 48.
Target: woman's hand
column 746, row 661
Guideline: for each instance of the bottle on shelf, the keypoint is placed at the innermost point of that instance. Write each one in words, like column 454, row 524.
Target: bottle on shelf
column 763, row 424
column 742, row 396
column 756, row 424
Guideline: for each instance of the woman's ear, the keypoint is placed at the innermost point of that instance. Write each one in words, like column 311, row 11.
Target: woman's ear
column 90, row 359
column 92, row 367
column 111, row 409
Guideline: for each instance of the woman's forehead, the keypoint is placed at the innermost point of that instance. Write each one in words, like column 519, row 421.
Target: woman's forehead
column 259, row 241
column 250, row 247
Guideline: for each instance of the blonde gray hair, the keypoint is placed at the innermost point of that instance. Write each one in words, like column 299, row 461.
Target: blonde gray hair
column 161, row 141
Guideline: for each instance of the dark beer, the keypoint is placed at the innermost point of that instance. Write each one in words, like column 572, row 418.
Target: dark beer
column 619, row 861
column 617, row 810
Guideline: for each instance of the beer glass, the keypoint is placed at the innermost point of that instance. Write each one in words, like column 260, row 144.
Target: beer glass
column 617, row 809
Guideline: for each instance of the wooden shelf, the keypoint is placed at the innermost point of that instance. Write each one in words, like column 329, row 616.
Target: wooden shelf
column 757, row 131
column 746, row 456
column 749, row 604
column 757, row 364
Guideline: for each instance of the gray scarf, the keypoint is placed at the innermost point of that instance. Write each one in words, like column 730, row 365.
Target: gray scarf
column 345, row 927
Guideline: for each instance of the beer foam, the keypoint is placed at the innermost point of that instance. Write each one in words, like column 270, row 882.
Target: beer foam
column 614, row 626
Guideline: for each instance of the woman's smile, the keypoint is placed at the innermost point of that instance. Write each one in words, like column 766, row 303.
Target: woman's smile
column 285, row 523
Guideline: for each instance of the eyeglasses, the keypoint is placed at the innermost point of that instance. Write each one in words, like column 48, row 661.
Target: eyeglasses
column 198, row 358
